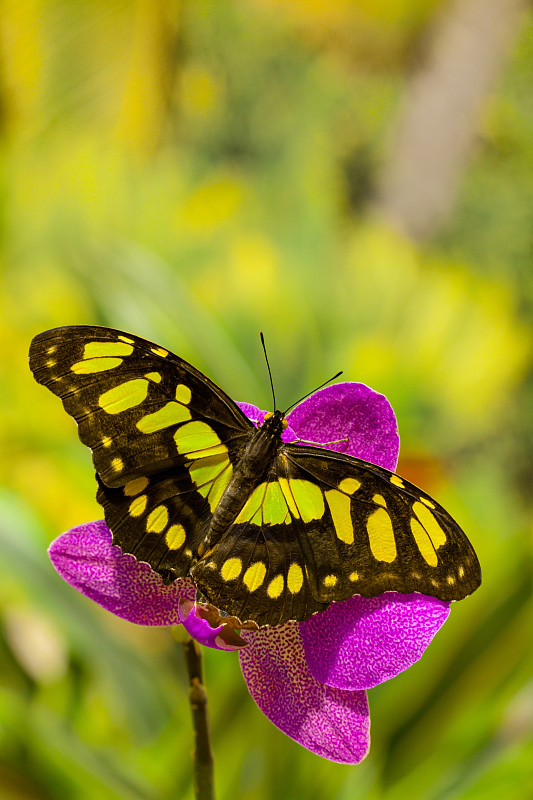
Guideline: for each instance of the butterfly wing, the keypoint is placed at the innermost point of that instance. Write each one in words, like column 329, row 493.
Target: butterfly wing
column 372, row 531
column 164, row 437
column 325, row 526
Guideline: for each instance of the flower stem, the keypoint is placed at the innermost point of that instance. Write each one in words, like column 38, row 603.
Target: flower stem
column 203, row 755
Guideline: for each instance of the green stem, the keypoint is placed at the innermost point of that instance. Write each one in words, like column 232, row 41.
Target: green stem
column 203, row 755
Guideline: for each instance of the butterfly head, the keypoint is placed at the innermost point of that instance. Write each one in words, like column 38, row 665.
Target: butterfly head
column 275, row 422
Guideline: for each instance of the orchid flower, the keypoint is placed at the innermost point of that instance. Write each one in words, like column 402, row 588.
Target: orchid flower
column 309, row 678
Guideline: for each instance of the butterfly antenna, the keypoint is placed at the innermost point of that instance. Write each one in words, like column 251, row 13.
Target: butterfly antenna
column 268, row 367
column 313, row 391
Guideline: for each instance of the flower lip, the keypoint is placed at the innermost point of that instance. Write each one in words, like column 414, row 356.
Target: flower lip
column 203, row 622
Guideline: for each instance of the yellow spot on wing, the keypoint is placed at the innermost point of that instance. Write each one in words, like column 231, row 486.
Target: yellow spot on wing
column 125, row 339
column 171, row 414
column 275, row 587
column 125, row 395
column 102, row 349
column 353, row 576
column 257, row 518
column 217, row 489
column 254, row 576
column 231, row 569
column 183, row 393
column 397, row 481
column 424, row 544
column 349, row 485
column 175, row 536
column 207, row 470
column 211, row 476
column 339, row 505
column 381, row 536
column 153, row 376
column 295, row 578
column 287, row 494
column 157, row 520
column 107, row 441
column 117, row 464
column 428, row 503
column 308, row 498
column 274, row 506
column 138, row 505
column 159, row 351
column 195, row 437
column 330, row 581
column 253, row 504
column 95, row 365
column 433, row 529
column 461, row 572
column 380, row 500
column 135, row 486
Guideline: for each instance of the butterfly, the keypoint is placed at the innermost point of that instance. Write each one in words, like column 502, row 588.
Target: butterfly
column 269, row 531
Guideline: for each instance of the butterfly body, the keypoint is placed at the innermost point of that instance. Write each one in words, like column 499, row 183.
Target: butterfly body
column 268, row 530
column 251, row 467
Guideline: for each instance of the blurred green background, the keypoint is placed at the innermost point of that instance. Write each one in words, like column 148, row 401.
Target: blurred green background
column 197, row 171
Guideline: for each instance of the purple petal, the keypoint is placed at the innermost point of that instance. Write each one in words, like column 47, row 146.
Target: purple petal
column 86, row 558
column 195, row 619
column 257, row 416
column 330, row 722
column 354, row 411
column 363, row 641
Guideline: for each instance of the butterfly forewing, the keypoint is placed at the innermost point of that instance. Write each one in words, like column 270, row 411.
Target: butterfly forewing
column 164, row 437
column 138, row 406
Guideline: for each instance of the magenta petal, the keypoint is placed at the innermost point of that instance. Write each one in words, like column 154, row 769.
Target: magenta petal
column 362, row 642
column 330, row 722
column 257, row 416
column 86, row 558
column 253, row 413
column 220, row 637
column 354, row 411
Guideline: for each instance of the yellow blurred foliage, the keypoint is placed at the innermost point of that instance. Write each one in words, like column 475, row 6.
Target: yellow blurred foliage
column 199, row 91
column 149, row 83
column 431, row 320
column 320, row 15
column 23, row 55
column 254, row 269
column 213, row 203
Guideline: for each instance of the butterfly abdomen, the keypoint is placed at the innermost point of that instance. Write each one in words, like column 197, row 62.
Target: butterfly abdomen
column 250, row 470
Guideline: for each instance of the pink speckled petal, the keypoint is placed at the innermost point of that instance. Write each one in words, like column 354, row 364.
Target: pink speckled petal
column 256, row 415
column 330, row 722
column 86, row 558
column 195, row 621
column 354, row 411
column 362, row 642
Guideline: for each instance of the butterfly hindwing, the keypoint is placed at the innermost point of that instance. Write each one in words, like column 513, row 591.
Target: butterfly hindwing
column 258, row 570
